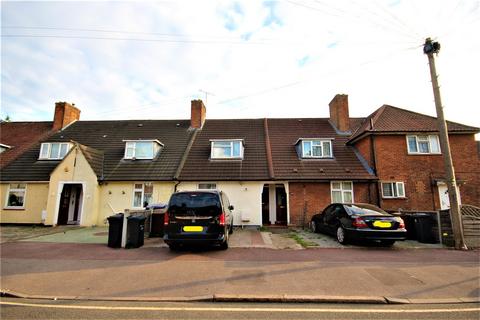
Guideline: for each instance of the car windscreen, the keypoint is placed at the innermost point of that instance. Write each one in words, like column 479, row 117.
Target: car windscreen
column 195, row 203
column 366, row 210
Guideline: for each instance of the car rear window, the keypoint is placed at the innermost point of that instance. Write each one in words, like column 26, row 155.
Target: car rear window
column 366, row 210
column 195, row 203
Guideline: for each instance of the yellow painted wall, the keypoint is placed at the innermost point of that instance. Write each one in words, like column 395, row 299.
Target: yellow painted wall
column 115, row 197
column 74, row 169
column 246, row 197
column 35, row 202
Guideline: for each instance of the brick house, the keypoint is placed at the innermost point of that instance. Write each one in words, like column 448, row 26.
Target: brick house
column 275, row 171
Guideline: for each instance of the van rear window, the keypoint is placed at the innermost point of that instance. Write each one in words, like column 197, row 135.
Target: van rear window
column 195, row 203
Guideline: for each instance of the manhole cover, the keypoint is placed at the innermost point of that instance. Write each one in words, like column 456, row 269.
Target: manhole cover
column 100, row 234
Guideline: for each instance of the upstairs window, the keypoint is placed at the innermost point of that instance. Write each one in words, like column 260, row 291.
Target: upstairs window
column 226, row 149
column 4, row 147
column 141, row 149
column 316, row 148
column 207, row 186
column 393, row 190
column 54, row 150
column 423, row 144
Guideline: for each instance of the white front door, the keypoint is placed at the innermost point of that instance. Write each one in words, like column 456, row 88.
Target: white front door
column 443, row 195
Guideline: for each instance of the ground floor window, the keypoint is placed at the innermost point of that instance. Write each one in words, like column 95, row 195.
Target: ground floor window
column 142, row 194
column 207, row 186
column 16, row 195
column 342, row 191
column 393, row 190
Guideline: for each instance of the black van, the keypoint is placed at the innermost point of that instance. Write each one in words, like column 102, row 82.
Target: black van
column 198, row 217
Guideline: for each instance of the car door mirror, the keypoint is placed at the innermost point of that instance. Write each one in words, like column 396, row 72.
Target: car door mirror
column 230, row 207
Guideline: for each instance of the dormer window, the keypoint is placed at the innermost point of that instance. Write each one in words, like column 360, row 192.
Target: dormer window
column 227, row 149
column 141, row 149
column 54, row 150
column 315, row 148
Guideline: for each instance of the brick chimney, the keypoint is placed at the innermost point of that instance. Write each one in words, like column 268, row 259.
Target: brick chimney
column 198, row 113
column 339, row 112
column 65, row 113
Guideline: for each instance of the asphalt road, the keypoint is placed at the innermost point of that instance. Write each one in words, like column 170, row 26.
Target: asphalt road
column 46, row 309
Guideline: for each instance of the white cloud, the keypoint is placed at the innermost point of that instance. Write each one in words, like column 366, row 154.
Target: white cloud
column 246, row 53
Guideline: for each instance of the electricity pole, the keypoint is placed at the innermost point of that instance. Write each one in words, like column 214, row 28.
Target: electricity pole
column 429, row 49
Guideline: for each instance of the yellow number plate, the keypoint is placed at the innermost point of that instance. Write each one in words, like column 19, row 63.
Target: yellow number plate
column 192, row 229
column 382, row 224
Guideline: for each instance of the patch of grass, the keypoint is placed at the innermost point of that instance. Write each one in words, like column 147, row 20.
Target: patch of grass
column 301, row 241
column 262, row 229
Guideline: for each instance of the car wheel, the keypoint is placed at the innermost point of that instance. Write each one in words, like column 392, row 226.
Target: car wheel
column 313, row 226
column 341, row 235
column 387, row 243
column 224, row 245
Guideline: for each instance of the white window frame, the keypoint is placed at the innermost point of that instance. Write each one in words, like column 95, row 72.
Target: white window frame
column 321, row 142
column 48, row 147
column 142, row 200
column 134, row 143
column 395, row 190
column 429, row 138
column 342, row 191
column 203, row 185
column 231, row 141
column 17, row 190
column 4, row 147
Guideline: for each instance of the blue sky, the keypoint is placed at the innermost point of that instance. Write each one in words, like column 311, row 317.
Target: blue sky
column 145, row 59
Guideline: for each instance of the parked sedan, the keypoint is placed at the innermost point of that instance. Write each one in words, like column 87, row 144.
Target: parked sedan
column 354, row 222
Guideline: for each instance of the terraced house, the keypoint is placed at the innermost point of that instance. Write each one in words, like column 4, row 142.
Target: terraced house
column 275, row 171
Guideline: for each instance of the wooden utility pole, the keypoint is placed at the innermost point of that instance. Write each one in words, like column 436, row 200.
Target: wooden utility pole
column 429, row 49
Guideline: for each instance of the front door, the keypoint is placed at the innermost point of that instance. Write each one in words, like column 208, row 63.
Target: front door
column 281, row 203
column 443, row 196
column 68, row 211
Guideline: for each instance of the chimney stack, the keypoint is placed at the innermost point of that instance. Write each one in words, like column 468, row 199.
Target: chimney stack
column 339, row 116
column 65, row 114
column 198, row 113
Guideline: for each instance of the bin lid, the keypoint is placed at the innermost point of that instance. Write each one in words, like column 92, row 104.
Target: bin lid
column 140, row 218
column 116, row 216
column 157, row 206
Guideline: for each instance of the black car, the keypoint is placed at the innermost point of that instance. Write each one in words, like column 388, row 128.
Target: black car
column 198, row 217
column 354, row 222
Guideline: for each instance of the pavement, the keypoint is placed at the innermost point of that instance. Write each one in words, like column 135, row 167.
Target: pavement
column 272, row 265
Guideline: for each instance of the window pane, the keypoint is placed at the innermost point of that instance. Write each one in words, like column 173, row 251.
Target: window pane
column 316, row 143
column 326, row 149
column 434, row 145
column 222, row 149
column 347, row 197
column 423, row 146
column 54, row 149
column 137, row 199
column 63, row 150
column 412, row 144
column 207, row 186
column 130, row 148
column 400, row 189
column 336, row 185
column 317, row 151
column 347, row 185
column 44, row 150
column 337, row 196
column 236, row 149
column 387, row 190
column 144, row 150
column 138, row 186
column 147, row 199
column 16, row 197
column 307, row 149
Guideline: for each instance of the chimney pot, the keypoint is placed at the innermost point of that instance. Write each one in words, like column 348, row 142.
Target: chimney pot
column 339, row 116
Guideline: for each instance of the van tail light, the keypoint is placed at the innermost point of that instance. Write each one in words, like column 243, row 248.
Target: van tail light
column 401, row 223
column 165, row 219
column 221, row 219
column 359, row 223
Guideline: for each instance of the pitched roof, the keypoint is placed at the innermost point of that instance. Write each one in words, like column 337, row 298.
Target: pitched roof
column 284, row 134
column 198, row 165
column 94, row 158
column 21, row 136
column 107, row 137
column 389, row 119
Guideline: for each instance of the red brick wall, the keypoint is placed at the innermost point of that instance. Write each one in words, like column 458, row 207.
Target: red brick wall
column 419, row 172
column 198, row 113
column 364, row 146
column 313, row 197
